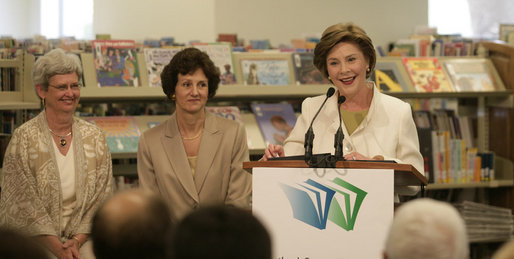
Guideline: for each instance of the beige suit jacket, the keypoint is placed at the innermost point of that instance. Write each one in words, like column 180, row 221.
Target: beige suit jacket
column 219, row 178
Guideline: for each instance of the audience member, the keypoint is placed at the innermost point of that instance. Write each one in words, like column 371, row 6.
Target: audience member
column 132, row 224
column 221, row 232
column 426, row 228
column 14, row 245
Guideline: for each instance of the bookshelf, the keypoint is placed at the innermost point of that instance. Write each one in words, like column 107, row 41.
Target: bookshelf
column 239, row 94
column 24, row 95
column 15, row 104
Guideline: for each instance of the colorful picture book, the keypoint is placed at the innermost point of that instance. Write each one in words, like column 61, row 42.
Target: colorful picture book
column 427, row 75
column 156, row 59
column 274, row 70
column 470, row 75
column 221, row 54
column 231, row 113
column 276, row 121
column 388, row 77
column 305, row 71
column 122, row 132
column 227, row 112
column 116, row 63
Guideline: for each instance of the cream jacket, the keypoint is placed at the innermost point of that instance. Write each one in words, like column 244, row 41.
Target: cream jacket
column 31, row 198
column 387, row 130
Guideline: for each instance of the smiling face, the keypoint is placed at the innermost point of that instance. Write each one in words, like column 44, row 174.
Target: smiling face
column 346, row 66
column 192, row 92
column 63, row 93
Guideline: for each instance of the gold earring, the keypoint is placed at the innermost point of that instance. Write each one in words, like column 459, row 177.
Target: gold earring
column 43, row 101
column 368, row 70
column 173, row 97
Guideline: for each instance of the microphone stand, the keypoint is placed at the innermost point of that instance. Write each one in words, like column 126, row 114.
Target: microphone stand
column 309, row 135
column 339, row 137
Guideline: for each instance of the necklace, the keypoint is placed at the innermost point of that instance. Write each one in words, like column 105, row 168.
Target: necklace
column 62, row 141
column 195, row 137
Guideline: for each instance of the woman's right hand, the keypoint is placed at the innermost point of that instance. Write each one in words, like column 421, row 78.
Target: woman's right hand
column 55, row 246
column 272, row 151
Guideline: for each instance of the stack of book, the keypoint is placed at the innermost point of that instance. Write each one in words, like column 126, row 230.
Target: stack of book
column 485, row 222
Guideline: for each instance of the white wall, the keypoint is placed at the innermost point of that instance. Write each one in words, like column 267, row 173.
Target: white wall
column 282, row 20
column 276, row 20
column 19, row 18
column 139, row 19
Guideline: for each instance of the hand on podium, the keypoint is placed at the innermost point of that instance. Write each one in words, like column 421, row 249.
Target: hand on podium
column 359, row 156
column 273, row 151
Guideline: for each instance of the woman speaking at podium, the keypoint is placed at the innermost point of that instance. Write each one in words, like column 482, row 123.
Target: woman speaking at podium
column 375, row 126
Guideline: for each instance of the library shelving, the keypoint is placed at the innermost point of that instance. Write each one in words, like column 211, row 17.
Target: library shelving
column 239, row 94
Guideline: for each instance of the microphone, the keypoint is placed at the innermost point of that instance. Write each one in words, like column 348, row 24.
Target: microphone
column 338, row 138
column 309, row 135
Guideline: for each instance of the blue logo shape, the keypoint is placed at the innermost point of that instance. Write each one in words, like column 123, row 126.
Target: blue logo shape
column 313, row 203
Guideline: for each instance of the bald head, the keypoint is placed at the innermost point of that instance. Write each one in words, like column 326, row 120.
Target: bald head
column 426, row 228
column 126, row 208
column 131, row 224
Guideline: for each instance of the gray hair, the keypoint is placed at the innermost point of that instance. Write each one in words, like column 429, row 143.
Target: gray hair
column 55, row 62
column 426, row 228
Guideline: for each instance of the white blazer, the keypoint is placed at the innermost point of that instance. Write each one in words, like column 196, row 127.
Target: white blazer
column 388, row 130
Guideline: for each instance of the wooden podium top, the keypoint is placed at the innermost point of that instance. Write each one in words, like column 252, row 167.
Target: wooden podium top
column 404, row 174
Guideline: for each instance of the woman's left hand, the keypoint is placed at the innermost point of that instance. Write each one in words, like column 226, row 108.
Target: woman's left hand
column 73, row 245
column 359, row 156
column 356, row 156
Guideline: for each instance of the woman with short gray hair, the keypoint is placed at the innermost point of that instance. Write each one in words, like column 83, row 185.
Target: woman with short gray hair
column 57, row 168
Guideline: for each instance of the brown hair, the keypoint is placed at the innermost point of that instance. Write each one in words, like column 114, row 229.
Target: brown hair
column 185, row 62
column 337, row 33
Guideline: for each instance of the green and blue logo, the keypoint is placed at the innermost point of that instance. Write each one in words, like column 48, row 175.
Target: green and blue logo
column 315, row 203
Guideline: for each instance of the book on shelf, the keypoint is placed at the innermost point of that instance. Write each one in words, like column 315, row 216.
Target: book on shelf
column 156, row 59
column 388, row 76
column 275, row 120
column 447, row 146
column 122, row 132
column 260, row 44
column 231, row 113
column 305, row 71
column 265, row 69
column 8, row 121
column 472, row 74
column 406, row 47
column 427, row 74
column 228, row 37
column 227, row 112
column 4, row 141
column 103, row 36
column 116, row 63
column 425, row 148
column 505, row 31
column 9, row 75
column 221, row 54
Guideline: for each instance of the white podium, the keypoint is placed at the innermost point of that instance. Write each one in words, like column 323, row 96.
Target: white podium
column 341, row 212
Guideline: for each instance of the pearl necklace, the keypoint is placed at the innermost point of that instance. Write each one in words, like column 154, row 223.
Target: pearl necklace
column 195, row 137
column 62, row 141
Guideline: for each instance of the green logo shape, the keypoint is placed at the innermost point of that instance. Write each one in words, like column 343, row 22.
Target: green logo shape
column 346, row 219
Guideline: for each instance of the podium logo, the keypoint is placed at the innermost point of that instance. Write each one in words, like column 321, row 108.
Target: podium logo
column 315, row 203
